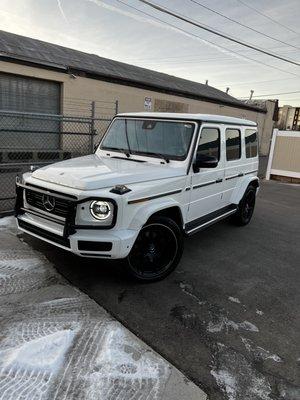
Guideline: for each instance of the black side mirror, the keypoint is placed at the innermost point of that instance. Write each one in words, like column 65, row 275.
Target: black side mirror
column 204, row 161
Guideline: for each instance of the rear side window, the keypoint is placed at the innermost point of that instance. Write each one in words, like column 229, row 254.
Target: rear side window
column 251, row 143
column 233, row 144
column 209, row 143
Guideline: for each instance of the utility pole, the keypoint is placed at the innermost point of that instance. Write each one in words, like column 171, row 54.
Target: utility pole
column 251, row 94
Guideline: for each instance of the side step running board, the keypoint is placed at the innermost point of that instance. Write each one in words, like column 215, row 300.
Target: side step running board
column 209, row 219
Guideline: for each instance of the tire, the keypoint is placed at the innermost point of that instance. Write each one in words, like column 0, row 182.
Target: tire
column 246, row 207
column 156, row 251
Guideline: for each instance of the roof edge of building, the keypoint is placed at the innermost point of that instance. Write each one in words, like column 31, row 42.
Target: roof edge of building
column 121, row 81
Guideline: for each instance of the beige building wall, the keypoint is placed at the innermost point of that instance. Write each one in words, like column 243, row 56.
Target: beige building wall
column 133, row 99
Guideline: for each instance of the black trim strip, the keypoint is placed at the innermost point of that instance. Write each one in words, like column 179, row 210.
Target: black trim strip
column 187, row 189
column 153, row 197
column 231, row 177
column 250, row 172
column 204, row 220
column 94, row 246
column 204, row 184
column 207, row 183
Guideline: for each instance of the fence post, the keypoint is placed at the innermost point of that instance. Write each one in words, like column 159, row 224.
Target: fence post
column 93, row 110
column 117, row 106
column 271, row 154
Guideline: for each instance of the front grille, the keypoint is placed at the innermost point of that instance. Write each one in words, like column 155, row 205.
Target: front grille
column 36, row 199
column 44, row 234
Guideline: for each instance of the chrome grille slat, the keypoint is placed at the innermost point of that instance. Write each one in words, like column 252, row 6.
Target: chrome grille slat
column 35, row 199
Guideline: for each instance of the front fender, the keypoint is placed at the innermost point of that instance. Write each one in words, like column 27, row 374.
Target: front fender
column 240, row 189
column 144, row 211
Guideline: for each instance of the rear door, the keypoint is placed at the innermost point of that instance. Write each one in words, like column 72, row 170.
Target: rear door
column 207, row 184
column 234, row 160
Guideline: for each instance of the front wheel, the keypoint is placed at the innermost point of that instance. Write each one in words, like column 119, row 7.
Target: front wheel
column 157, row 250
column 246, row 207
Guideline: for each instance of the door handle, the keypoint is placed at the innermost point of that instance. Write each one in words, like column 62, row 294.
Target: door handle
column 219, row 180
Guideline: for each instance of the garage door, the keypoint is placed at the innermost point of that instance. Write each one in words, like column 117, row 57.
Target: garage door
column 29, row 96
column 20, row 93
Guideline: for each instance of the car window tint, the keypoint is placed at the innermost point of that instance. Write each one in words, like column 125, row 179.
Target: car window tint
column 209, row 143
column 233, row 144
column 251, row 143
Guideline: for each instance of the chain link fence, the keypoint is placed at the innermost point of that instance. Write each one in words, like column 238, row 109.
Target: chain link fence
column 28, row 139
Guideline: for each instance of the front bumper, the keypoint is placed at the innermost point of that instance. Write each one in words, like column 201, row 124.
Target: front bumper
column 86, row 241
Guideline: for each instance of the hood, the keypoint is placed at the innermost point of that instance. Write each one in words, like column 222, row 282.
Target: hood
column 92, row 172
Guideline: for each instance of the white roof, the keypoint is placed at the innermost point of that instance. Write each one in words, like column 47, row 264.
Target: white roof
column 201, row 117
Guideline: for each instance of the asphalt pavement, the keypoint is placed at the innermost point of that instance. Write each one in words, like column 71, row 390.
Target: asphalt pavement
column 229, row 315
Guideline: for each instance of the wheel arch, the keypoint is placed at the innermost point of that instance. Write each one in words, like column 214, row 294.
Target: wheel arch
column 240, row 190
column 167, row 208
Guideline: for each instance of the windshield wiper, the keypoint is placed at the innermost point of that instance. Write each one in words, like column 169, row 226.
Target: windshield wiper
column 124, row 151
column 164, row 157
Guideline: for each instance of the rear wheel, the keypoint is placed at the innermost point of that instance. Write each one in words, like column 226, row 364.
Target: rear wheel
column 157, row 250
column 246, row 207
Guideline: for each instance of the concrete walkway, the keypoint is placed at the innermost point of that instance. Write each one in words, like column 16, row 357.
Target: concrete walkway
column 57, row 343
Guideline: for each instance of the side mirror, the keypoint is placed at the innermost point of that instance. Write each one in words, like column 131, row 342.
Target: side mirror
column 203, row 161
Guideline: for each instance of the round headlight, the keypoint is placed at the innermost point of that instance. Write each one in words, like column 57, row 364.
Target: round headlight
column 100, row 209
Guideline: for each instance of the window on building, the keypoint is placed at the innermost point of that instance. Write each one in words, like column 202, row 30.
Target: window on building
column 251, row 143
column 233, row 144
column 209, row 143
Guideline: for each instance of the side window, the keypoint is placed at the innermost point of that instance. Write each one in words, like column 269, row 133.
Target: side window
column 233, row 144
column 209, row 143
column 251, row 143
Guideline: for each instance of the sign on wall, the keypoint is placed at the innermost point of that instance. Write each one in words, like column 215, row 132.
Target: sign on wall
column 148, row 103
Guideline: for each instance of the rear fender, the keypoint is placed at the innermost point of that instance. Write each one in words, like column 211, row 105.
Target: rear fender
column 239, row 191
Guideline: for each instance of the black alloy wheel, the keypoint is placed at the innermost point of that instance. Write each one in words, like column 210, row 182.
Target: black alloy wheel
column 246, row 207
column 156, row 251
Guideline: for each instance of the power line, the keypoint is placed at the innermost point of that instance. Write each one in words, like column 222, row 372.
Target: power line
column 267, row 16
column 207, row 41
column 213, row 31
column 245, row 26
column 274, row 94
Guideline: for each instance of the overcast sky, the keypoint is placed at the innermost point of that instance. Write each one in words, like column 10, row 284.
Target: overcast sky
column 114, row 30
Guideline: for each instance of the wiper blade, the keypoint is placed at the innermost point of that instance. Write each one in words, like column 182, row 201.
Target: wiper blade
column 163, row 156
column 124, row 151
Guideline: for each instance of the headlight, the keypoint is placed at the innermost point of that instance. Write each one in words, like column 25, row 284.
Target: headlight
column 100, row 209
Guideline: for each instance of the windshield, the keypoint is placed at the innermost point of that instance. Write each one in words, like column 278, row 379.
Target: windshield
column 150, row 137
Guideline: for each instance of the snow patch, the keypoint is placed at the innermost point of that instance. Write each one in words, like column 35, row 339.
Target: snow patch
column 7, row 223
column 237, row 378
column 20, row 265
column 227, row 381
column 260, row 352
column 225, row 323
column 122, row 359
column 46, row 353
column 187, row 289
column 234, row 300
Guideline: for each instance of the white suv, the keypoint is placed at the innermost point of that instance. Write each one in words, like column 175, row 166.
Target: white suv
column 154, row 178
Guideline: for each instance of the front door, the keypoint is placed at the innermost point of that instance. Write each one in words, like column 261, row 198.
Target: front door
column 207, row 184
